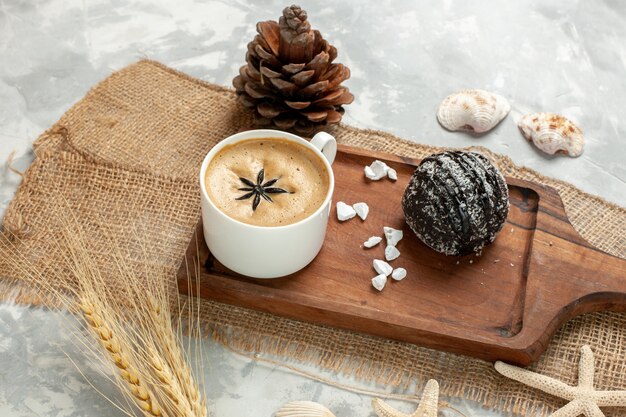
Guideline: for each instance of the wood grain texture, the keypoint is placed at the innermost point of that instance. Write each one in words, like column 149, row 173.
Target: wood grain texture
column 503, row 305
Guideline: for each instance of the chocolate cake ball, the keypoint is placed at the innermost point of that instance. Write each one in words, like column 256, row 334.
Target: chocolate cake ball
column 456, row 202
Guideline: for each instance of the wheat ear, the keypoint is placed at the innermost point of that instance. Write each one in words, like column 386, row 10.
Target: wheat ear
column 178, row 380
column 136, row 331
column 110, row 342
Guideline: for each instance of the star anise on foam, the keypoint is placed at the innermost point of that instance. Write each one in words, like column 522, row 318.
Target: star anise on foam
column 259, row 189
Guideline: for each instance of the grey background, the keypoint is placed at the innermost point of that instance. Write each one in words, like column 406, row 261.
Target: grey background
column 561, row 56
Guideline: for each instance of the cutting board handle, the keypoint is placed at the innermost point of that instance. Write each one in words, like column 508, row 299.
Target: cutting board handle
column 567, row 277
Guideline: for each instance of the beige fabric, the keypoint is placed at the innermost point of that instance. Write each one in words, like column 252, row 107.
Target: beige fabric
column 125, row 158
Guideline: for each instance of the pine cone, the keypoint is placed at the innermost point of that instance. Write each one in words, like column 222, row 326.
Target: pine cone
column 290, row 80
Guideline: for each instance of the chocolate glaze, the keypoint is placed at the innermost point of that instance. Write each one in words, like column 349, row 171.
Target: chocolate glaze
column 456, row 202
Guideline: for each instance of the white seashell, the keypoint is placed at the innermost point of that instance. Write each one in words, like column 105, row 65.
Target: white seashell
column 391, row 253
column 376, row 170
column 362, row 210
column 552, row 133
column 304, row 409
column 344, row 211
column 372, row 241
column 398, row 274
column 392, row 174
column 379, row 282
column 382, row 267
column 474, row 110
column 392, row 235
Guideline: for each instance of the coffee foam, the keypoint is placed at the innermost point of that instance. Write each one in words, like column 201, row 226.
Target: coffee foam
column 298, row 169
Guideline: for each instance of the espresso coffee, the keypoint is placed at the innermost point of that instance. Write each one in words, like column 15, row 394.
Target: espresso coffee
column 267, row 182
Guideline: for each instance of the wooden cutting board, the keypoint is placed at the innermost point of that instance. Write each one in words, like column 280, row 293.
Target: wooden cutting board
column 503, row 305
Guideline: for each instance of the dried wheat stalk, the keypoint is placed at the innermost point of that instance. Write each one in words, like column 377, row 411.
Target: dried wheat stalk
column 137, row 336
column 111, row 343
column 180, row 379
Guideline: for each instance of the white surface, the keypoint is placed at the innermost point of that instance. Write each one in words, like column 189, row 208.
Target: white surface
column 38, row 377
column 566, row 56
column 563, row 56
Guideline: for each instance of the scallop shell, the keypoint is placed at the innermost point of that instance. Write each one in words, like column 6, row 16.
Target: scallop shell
column 476, row 111
column 552, row 133
column 304, row 409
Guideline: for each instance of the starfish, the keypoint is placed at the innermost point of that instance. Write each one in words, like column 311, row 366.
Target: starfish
column 259, row 189
column 428, row 405
column 583, row 399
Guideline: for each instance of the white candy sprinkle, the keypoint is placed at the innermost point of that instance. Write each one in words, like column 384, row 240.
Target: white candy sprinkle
column 376, row 170
column 379, row 282
column 362, row 209
column 392, row 174
column 391, row 253
column 382, row 267
column 392, row 235
column 379, row 167
column 398, row 274
column 344, row 211
column 372, row 241
column 369, row 173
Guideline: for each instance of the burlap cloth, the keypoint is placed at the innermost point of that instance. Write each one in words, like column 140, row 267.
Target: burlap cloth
column 127, row 156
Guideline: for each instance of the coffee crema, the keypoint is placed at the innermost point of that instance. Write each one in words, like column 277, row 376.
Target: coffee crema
column 267, row 181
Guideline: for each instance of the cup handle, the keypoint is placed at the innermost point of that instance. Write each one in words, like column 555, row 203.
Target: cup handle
column 327, row 144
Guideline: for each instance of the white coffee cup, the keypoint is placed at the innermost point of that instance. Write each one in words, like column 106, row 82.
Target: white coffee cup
column 267, row 251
